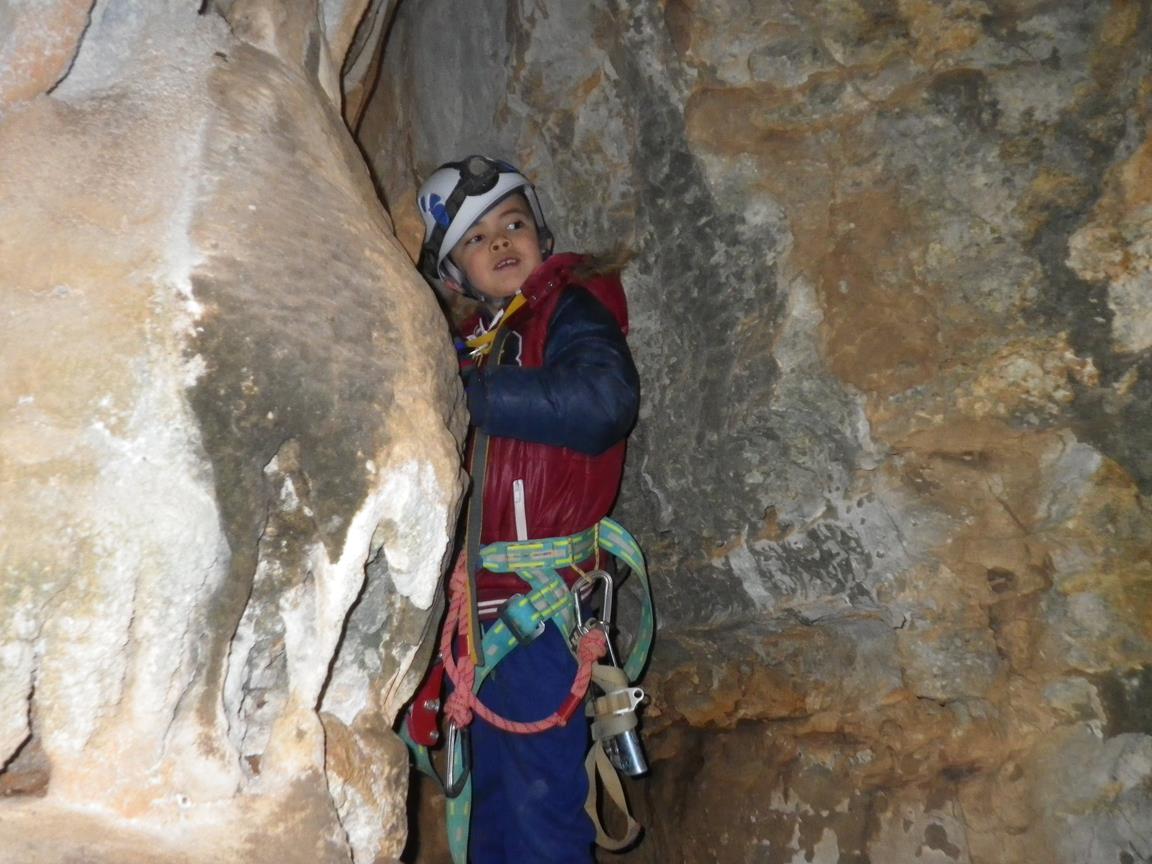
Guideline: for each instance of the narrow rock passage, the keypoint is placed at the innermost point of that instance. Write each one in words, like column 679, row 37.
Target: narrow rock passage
column 890, row 308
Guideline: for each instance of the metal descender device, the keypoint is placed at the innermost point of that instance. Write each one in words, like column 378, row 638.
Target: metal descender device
column 613, row 713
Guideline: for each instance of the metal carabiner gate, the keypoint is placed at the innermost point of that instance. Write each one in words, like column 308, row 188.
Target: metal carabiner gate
column 604, row 622
column 453, row 785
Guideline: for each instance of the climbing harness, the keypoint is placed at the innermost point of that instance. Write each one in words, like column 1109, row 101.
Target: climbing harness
column 615, row 743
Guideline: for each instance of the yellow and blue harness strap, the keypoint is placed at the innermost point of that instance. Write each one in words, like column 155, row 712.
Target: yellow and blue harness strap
column 555, row 553
column 549, row 600
column 615, row 539
column 537, row 563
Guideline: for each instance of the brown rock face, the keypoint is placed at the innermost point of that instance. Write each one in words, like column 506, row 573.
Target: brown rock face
column 890, row 308
column 37, row 45
column 890, row 304
column 230, row 455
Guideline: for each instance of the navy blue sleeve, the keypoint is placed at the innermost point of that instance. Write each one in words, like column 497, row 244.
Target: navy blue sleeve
column 585, row 396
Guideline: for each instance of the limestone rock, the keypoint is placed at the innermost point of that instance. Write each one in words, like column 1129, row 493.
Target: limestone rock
column 890, row 309
column 38, row 42
column 230, row 414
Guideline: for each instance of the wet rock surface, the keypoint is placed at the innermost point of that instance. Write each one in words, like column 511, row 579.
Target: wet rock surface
column 891, row 469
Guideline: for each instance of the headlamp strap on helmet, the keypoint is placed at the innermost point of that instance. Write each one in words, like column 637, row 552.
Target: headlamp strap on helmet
column 478, row 175
column 428, row 263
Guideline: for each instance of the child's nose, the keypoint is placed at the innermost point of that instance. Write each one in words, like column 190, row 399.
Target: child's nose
column 499, row 241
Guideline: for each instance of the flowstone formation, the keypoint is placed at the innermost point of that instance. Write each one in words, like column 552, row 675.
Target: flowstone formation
column 229, row 441
column 891, row 309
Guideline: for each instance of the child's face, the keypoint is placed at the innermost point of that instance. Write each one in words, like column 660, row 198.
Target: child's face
column 501, row 249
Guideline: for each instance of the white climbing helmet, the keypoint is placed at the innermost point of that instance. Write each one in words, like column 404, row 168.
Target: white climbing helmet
column 454, row 197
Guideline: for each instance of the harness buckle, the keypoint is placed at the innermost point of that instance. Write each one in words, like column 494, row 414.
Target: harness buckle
column 516, row 612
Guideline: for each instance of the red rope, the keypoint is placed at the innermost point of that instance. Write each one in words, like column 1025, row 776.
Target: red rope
column 462, row 702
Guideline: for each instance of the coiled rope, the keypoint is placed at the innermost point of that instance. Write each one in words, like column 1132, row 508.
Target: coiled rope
column 462, row 702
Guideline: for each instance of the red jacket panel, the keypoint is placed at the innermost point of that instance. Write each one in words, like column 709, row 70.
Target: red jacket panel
column 565, row 491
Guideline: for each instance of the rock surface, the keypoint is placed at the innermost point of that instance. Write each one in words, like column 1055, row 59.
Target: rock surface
column 891, row 309
column 229, row 451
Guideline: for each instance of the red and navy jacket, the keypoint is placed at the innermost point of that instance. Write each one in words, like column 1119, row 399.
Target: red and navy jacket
column 557, row 405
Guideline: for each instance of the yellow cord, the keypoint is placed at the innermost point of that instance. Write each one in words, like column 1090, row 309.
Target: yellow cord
column 482, row 344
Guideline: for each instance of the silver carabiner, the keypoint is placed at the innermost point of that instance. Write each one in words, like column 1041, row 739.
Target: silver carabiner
column 604, row 622
column 453, row 785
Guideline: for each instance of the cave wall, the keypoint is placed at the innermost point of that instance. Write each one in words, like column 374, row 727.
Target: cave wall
column 891, row 309
column 229, row 442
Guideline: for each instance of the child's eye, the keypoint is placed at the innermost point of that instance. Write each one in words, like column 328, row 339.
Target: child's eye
column 515, row 224
column 475, row 238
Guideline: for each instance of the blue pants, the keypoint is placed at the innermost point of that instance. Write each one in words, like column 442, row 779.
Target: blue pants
column 528, row 791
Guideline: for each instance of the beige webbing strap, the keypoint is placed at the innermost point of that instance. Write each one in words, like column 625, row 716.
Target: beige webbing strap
column 598, row 763
column 612, row 712
column 610, row 679
column 605, row 724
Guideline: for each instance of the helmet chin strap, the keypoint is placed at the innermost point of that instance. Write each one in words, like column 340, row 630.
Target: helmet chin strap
column 470, row 291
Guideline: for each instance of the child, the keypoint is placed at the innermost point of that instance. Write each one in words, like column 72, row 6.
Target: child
column 551, row 413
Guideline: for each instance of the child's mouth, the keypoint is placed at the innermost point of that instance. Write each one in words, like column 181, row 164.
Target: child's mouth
column 507, row 262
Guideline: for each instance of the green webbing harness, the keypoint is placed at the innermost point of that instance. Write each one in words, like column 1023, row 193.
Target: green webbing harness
column 538, row 563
